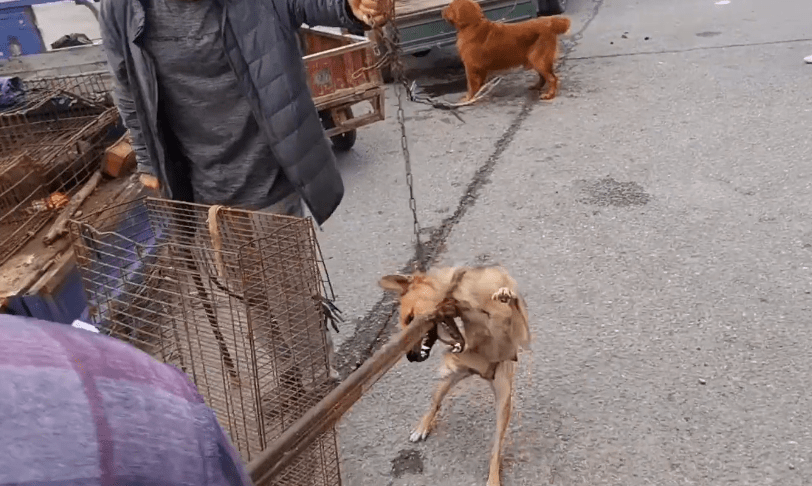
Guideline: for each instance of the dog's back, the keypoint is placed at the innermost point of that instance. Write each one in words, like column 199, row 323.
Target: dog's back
column 498, row 46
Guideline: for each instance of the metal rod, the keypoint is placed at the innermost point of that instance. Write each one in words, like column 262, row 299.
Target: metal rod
column 302, row 433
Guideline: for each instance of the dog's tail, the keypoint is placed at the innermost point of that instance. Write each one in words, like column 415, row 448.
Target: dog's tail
column 560, row 25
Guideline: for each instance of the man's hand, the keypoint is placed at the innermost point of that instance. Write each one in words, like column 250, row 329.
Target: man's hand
column 149, row 181
column 371, row 12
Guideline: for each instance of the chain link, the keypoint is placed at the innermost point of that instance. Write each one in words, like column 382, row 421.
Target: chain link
column 392, row 56
column 393, row 53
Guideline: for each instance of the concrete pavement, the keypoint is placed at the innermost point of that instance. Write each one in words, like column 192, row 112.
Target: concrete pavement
column 657, row 218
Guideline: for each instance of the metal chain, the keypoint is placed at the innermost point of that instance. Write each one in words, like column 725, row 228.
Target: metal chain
column 393, row 52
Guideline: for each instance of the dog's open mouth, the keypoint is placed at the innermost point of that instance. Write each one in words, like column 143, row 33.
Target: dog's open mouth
column 447, row 332
column 452, row 337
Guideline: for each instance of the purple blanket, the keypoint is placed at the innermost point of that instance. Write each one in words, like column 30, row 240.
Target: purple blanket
column 78, row 408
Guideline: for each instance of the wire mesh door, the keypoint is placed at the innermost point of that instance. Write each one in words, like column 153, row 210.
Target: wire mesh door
column 231, row 297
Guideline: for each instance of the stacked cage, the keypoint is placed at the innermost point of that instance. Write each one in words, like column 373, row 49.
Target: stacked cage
column 233, row 298
column 52, row 138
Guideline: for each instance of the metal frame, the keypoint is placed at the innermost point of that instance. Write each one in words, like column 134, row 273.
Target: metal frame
column 233, row 298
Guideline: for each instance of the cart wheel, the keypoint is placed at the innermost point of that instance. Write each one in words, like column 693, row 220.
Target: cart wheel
column 343, row 141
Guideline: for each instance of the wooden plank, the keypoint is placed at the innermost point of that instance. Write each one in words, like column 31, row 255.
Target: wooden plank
column 119, row 158
column 60, row 225
column 347, row 96
column 52, row 278
column 338, row 51
column 329, row 410
column 354, row 123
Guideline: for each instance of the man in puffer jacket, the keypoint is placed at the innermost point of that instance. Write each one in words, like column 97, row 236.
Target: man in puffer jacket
column 80, row 408
column 215, row 97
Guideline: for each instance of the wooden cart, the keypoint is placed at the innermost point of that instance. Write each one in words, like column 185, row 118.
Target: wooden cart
column 340, row 74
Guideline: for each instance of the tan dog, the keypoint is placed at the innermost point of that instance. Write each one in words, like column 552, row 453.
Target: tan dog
column 495, row 327
column 486, row 47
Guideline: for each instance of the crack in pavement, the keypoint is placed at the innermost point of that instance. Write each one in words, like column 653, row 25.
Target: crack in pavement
column 596, row 8
column 576, row 38
column 370, row 332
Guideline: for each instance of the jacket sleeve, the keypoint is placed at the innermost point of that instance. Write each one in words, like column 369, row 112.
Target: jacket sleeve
column 113, row 39
column 326, row 13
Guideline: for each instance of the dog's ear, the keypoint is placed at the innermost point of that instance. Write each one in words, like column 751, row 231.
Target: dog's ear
column 396, row 283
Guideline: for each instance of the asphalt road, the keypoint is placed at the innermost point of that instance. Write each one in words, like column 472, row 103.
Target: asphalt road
column 657, row 218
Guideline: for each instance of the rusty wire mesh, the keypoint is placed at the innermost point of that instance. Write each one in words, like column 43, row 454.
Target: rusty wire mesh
column 234, row 299
column 51, row 142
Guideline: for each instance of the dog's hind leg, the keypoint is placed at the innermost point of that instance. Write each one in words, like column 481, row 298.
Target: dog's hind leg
column 503, row 390
column 426, row 423
column 543, row 63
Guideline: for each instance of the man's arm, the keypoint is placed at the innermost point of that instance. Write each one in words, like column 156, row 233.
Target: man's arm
column 326, row 13
column 113, row 38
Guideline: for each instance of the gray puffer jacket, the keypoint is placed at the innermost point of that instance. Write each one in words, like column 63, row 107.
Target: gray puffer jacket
column 260, row 39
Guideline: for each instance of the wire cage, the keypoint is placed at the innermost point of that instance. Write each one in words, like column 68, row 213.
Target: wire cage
column 52, row 109
column 235, row 299
column 51, row 142
column 94, row 86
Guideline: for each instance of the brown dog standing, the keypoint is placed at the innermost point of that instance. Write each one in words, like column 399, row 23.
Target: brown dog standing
column 486, row 47
column 495, row 327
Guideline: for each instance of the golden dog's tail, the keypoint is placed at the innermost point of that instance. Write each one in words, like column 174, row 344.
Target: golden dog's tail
column 560, row 25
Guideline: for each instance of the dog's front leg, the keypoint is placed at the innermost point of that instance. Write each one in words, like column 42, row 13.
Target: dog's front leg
column 424, row 427
column 503, row 389
column 475, row 80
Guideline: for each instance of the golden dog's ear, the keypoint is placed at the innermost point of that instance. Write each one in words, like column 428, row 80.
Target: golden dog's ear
column 396, row 283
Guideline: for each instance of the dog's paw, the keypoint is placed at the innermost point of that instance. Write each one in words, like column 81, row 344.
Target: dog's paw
column 547, row 96
column 420, row 433
column 504, row 295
